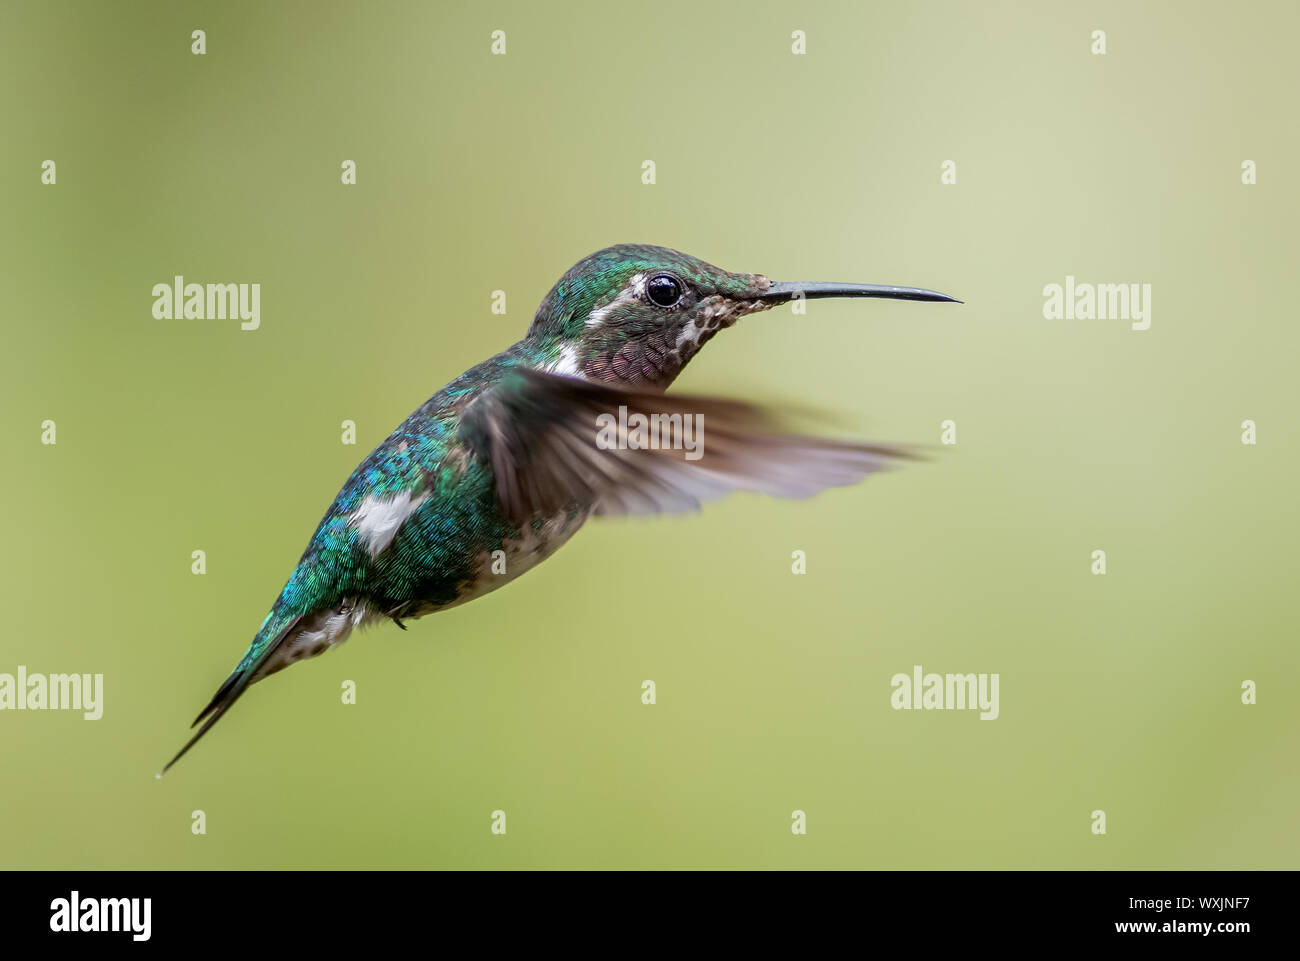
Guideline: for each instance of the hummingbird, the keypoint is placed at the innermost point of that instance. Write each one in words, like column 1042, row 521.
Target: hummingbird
column 498, row 469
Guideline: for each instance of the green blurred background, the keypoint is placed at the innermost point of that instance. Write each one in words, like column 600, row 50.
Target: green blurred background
column 478, row 172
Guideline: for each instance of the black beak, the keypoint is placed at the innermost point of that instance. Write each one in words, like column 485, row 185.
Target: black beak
column 779, row 293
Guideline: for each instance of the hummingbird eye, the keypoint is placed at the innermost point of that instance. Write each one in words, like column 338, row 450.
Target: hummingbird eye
column 663, row 290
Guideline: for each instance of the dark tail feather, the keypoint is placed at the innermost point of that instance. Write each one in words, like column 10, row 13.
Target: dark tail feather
column 235, row 685
column 216, row 709
column 228, row 685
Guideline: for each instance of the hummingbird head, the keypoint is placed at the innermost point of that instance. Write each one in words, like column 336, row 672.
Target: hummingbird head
column 636, row 314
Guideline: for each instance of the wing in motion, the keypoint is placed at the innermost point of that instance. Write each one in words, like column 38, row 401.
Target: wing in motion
column 553, row 440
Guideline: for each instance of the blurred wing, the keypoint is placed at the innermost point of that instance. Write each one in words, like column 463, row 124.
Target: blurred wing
column 552, row 441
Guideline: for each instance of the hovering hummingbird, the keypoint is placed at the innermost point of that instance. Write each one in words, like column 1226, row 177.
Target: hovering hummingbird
column 507, row 461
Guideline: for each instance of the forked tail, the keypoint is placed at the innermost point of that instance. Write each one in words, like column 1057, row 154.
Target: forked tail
column 272, row 633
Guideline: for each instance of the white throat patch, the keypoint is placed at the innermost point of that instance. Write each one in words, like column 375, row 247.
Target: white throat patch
column 566, row 363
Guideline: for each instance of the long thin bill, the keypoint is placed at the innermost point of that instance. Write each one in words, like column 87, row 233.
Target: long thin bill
column 782, row 292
